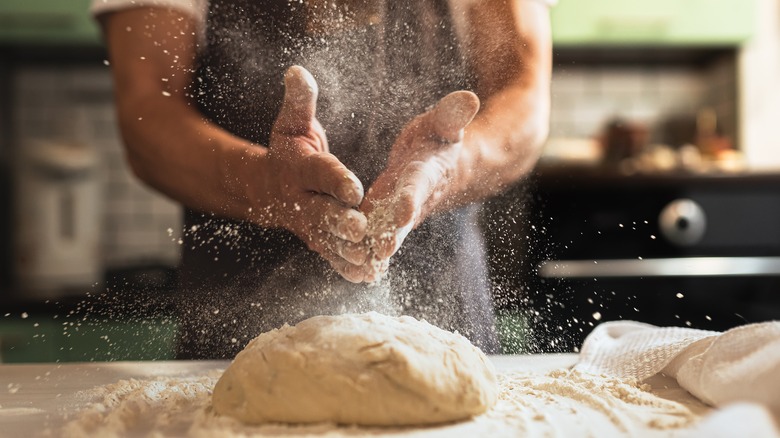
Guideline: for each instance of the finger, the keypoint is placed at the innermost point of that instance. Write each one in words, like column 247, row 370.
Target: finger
column 324, row 173
column 345, row 223
column 391, row 223
column 452, row 114
column 386, row 247
column 385, row 221
column 323, row 243
column 390, row 242
column 354, row 253
column 328, row 217
column 319, row 132
column 299, row 106
column 374, row 270
column 415, row 187
column 337, row 229
column 381, row 192
column 350, row 272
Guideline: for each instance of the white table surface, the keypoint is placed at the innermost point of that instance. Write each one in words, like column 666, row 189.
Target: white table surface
column 35, row 399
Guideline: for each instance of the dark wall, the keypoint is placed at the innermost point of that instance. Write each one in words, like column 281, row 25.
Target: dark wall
column 6, row 236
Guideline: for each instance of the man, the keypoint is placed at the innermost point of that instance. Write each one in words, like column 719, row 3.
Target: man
column 274, row 168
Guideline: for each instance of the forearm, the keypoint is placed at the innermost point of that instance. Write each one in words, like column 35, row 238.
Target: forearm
column 169, row 144
column 501, row 145
column 511, row 53
column 174, row 150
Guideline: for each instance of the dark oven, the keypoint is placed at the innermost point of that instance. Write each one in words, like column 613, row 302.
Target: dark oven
column 684, row 250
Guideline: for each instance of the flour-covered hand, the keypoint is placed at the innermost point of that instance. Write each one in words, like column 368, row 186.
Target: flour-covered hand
column 421, row 164
column 314, row 195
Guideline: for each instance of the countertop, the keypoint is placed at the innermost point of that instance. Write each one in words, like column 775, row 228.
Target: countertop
column 34, row 397
column 552, row 174
column 38, row 400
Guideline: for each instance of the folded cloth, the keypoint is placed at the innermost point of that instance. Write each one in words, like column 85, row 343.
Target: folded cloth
column 741, row 364
column 737, row 420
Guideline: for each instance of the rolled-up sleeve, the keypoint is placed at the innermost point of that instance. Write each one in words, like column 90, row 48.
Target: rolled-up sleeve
column 459, row 8
column 197, row 8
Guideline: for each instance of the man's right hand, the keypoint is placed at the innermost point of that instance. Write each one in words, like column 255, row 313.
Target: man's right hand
column 312, row 193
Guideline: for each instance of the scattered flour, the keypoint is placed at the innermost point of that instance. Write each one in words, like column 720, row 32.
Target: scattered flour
column 556, row 404
column 165, row 406
column 608, row 406
column 16, row 412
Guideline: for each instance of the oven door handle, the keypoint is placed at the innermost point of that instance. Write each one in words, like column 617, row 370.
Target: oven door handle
column 662, row 267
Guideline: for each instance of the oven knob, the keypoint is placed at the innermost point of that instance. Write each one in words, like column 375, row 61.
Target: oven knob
column 683, row 222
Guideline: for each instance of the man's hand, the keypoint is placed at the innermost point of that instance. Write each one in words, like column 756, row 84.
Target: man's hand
column 312, row 192
column 421, row 163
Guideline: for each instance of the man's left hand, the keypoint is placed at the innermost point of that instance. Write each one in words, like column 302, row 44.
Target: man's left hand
column 421, row 165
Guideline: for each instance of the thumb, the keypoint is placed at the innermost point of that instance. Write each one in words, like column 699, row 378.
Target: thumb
column 300, row 102
column 453, row 113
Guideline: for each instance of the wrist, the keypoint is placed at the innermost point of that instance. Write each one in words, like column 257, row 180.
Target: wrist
column 245, row 180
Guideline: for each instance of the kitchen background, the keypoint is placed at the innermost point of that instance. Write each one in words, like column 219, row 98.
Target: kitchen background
column 673, row 98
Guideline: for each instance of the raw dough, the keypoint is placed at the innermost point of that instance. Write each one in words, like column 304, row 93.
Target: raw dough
column 367, row 369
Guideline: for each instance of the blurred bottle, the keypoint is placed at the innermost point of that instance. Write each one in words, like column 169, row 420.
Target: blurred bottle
column 709, row 139
column 623, row 139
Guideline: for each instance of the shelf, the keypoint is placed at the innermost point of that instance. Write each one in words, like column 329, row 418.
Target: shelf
column 47, row 22
column 616, row 23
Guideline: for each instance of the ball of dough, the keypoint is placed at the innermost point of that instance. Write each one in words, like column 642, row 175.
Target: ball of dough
column 366, row 369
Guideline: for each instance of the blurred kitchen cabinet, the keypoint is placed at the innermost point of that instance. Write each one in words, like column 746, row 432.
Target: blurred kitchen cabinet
column 28, row 340
column 78, row 340
column 654, row 23
column 60, row 22
column 120, row 340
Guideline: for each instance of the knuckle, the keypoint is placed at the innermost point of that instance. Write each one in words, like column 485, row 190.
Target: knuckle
column 415, row 167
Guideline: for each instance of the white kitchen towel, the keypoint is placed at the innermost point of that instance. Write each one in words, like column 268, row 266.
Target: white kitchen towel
column 741, row 364
column 737, row 420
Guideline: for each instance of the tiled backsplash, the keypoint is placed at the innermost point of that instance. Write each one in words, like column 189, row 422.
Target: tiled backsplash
column 585, row 98
column 75, row 104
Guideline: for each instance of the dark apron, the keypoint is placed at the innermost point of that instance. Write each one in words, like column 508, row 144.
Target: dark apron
column 239, row 280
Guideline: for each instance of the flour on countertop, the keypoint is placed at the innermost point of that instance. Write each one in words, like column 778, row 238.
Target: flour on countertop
column 165, row 406
column 627, row 405
column 556, row 404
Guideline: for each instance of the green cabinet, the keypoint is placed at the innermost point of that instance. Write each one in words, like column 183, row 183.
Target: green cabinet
column 28, row 340
column 49, row 339
column 574, row 22
column 512, row 328
column 656, row 22
column 50, row 22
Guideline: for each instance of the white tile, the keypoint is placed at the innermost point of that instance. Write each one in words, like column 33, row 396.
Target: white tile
column 623, row 81
column 567, row 83
column 90, row 78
